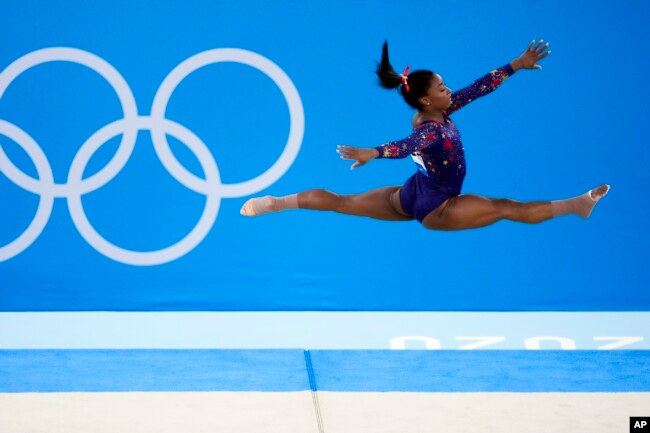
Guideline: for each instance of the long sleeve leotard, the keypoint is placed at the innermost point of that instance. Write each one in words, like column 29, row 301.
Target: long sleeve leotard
column 436, row 147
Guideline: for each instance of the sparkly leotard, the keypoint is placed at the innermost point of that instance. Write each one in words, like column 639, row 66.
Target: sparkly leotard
column 438, row 151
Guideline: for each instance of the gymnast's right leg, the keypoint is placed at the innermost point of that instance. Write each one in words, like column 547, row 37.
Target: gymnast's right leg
column 382, row 203
column 471, row 211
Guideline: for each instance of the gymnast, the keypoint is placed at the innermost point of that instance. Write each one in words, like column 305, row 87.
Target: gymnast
column 433, row 194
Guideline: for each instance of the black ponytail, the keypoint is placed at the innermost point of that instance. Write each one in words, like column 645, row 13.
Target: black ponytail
column 418, row 81
column 388, row 78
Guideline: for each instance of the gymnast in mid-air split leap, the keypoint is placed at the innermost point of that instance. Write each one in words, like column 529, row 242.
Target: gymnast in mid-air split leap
column 433, row 194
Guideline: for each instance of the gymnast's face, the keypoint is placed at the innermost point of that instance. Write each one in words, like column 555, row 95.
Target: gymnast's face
column 438, row 96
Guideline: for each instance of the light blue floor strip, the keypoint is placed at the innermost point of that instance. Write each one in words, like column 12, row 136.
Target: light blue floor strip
column 327, row 330
column 347, row 370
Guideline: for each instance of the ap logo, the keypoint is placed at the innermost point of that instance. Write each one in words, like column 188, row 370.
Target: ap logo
column 159, row 126
column 639, row 424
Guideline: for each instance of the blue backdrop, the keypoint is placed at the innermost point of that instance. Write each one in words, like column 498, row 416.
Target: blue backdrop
column 543, row 135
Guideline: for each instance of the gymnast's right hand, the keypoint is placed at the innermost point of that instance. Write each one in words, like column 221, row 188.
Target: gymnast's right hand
column 357, row 154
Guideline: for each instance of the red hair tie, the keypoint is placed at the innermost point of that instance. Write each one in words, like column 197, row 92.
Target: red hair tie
column 405, row 77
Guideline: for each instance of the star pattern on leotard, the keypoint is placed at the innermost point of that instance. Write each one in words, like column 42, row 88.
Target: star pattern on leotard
column 498, row 77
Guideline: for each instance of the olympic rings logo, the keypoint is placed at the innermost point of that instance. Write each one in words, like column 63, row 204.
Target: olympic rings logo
column 128, row 127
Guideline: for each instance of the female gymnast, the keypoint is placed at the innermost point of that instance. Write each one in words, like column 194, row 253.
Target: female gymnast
column 433, row 194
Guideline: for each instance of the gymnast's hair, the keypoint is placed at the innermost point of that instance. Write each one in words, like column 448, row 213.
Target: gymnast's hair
column 415, row 86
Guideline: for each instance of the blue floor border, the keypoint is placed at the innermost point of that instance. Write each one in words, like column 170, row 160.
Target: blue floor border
column 483, row 371
column 152, row 370
column 323, row 370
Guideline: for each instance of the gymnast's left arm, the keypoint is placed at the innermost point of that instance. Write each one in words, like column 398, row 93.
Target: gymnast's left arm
column 489, row 82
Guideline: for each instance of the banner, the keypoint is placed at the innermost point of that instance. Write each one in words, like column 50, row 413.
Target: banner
column 132, row 133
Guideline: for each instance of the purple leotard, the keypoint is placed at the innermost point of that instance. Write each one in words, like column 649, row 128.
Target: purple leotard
column 438, row 152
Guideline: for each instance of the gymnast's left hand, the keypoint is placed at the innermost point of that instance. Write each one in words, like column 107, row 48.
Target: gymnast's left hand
column 357, row 154
column 533, row 54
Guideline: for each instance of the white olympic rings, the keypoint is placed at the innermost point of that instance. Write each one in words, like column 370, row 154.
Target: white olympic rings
column 128, row 127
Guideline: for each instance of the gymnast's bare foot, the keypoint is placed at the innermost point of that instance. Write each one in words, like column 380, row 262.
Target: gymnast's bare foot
column 598, row 193
column 267, row 204
column 258, row 206
column 591, row 198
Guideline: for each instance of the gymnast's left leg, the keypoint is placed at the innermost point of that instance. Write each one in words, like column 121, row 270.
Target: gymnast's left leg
column 472, row 211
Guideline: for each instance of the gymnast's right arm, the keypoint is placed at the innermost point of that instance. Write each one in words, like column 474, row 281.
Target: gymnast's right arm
column 392, row 149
